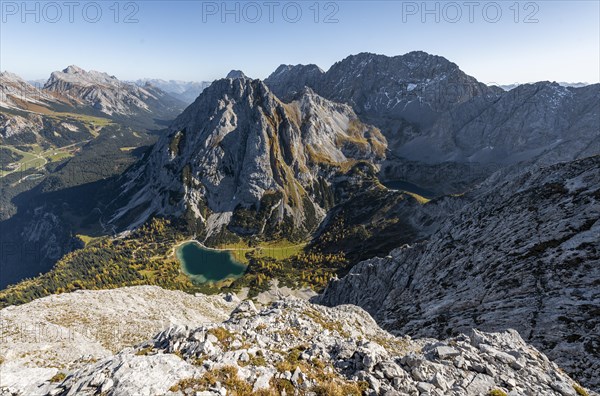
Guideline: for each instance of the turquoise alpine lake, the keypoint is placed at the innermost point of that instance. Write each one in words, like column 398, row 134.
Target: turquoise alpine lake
column 204, row 265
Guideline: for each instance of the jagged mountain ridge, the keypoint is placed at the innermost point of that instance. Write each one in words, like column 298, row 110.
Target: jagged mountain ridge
column 373, row 74
column 523, row 254
column 439, row 121
column 508, row 87
column 416, row 87
column 238, row 150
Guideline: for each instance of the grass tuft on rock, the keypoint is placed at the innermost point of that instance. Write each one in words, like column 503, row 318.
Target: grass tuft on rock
column 580, row 391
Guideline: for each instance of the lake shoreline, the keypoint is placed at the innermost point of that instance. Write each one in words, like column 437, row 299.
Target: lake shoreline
column 207, row 265
column 210, row 248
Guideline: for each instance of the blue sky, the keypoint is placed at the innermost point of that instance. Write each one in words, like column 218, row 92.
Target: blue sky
column 188, row 40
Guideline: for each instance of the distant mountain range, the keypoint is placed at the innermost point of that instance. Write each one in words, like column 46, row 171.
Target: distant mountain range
column 76, row 87
column 25, row 108
column 185, row 91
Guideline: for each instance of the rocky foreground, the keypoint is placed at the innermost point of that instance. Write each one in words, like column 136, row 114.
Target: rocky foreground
column 62, row 333
column 294, row 347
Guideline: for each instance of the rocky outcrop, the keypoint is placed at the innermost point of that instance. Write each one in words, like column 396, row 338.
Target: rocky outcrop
column 13, row 126
column 68, row 331
column 294, row 347
column 239, row 157
column 524, row 254
column 21, row 99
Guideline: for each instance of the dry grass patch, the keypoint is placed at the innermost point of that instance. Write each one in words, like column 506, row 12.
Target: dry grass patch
column 580, row 391
column 224, row 336
column 58, row 377
column 226, row 376
column 340, row 389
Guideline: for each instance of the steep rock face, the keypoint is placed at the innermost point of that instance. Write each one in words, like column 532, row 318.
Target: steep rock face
column 524, row 255
column 15, row 125
column 18, row 102
column 238, row 154
column 416, row 86
column 303, row 349
column 107, row 94
column 541, row 123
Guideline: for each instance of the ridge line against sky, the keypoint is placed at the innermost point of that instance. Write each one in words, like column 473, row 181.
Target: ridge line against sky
column 502, row 42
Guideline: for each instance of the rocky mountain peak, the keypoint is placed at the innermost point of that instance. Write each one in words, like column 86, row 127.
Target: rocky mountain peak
column 236, row 74
column 412, row 89
column 432, row 113
column 416, row 63
column 73, row 69
column 76, row 76
column 288, row 80
column 7, row 77
column 241, row 91
column 424, row 57
column 238, row 152
column 297, row 69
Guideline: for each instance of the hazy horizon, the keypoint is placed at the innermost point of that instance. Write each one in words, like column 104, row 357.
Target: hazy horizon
column 224, row 73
